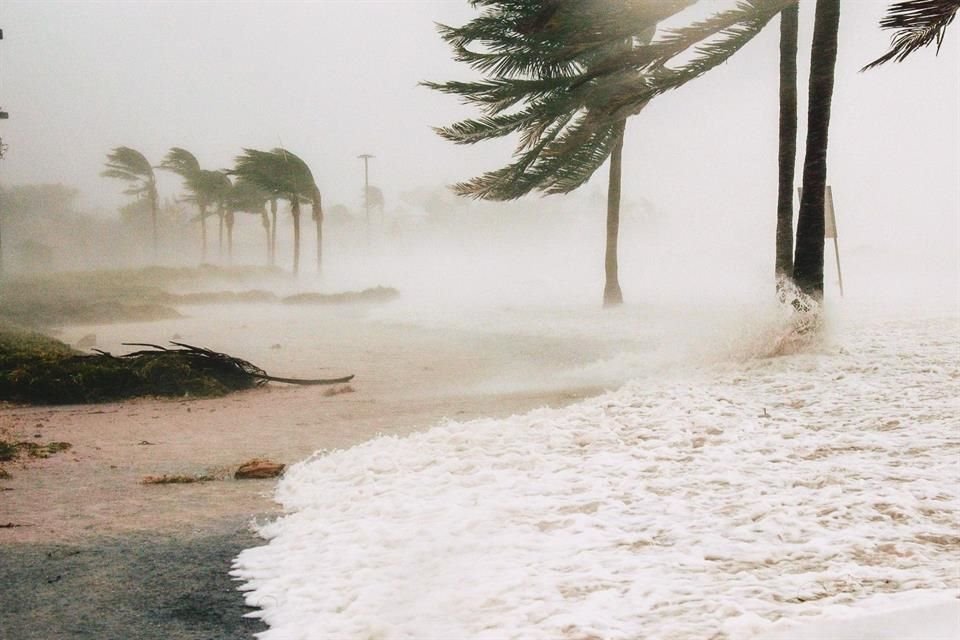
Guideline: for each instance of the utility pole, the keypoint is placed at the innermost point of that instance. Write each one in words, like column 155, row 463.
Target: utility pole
column 3, row 148
column 366, row 186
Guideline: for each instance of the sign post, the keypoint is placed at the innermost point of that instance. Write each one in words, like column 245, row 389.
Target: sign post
column 829, row 227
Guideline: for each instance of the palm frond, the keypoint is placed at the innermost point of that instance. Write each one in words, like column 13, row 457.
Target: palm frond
column 131, row 161
column 918, row 24
column 181, row 162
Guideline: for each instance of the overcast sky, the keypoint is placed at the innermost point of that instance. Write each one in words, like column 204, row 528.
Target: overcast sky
column 333, row 79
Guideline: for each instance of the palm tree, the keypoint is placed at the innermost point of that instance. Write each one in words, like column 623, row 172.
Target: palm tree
column 246, row 197
column 565, row 76
column 788, row 143
column 218, row 187
column 199, row 184
column 310, row 192
column 808, row 259
column 919, row 23
column 131, row 166
column 283, row 175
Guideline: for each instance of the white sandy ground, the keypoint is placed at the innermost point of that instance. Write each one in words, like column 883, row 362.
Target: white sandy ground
column 722, row 501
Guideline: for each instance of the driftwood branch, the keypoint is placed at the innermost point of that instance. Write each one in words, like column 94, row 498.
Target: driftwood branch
column 225, row 362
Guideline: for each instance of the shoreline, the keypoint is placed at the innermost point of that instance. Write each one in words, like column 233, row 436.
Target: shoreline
column 102, row 555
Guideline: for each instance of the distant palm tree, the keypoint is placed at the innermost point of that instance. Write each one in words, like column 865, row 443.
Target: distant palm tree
column 218, row 187
column 199, row 185
column 281, row 174
column 246, row 197
column 131, row 166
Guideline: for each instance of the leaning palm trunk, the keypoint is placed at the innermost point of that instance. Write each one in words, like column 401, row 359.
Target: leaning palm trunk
column 808, row 260
column 788, row 142
column 265, row 222
column 295, row 212
column 318, row 220
column 273, row 232
column 220, row 217
column 229, row 219
column 612, row 295
column 203, row 233
column 154, row 214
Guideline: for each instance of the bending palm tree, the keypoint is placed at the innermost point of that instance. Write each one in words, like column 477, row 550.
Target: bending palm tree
column 199, row 184
column 567, row 75
column 131, row 166
column 246, row 197
column 284, row 175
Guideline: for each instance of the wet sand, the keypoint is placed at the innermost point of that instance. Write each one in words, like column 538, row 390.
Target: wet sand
column 103, row 555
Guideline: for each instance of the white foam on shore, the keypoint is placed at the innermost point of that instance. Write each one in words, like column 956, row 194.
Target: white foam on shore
column 707, row 503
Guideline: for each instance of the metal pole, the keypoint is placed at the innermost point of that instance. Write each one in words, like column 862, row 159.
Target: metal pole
column 366, row 186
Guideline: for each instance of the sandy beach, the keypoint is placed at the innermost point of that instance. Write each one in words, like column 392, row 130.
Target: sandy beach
column 151, row 560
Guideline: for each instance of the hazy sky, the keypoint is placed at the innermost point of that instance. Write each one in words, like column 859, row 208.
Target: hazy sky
column 333, row 79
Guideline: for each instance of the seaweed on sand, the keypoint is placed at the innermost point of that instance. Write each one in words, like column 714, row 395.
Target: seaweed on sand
column 56, row 376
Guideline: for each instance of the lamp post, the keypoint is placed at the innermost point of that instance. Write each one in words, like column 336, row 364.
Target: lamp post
column 3, row 149
column 366, row 186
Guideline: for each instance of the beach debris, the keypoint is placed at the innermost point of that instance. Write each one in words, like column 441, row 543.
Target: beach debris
column 258, row 468
column 10, row 451
column 49, row 372
column 177, row 479
column 336, row 391
column 5, row 475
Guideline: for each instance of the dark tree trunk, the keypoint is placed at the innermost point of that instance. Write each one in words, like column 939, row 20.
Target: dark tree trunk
column 273, row 232
column 808, row 260
column 203, row 234
column 788, row 141
column 612, row 295
column 318, row 219
column 220, row 217
column 265, row 221
column 154, row 214
column 229, row 218
column 295, row 212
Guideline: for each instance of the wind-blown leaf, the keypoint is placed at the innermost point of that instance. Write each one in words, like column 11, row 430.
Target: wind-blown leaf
column 918, row 24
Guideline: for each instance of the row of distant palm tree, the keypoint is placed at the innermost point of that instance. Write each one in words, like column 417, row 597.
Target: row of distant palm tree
column 259, row 179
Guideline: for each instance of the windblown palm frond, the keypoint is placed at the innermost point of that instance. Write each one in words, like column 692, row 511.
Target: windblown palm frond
column 181, row 162
column 918, row 24
column 247, row 197
column 562, row 73
column 277, row 172
column 131, row 166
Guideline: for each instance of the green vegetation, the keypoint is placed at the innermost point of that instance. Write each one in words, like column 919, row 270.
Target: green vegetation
column 36, row 369
column 94, row 297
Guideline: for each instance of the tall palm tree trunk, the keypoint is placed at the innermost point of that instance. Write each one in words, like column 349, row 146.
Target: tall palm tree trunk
column 203, row 234
column 808, row 260
column 154, row 214
column 273, row 232
column 220, row 217
column 265, row 222
column 612, row 295
column 229, row 217
column 295, row 212
column 788, row 142
column 318, row 220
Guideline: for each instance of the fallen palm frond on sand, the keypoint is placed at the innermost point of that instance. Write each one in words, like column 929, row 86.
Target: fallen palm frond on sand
column 47, row 372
